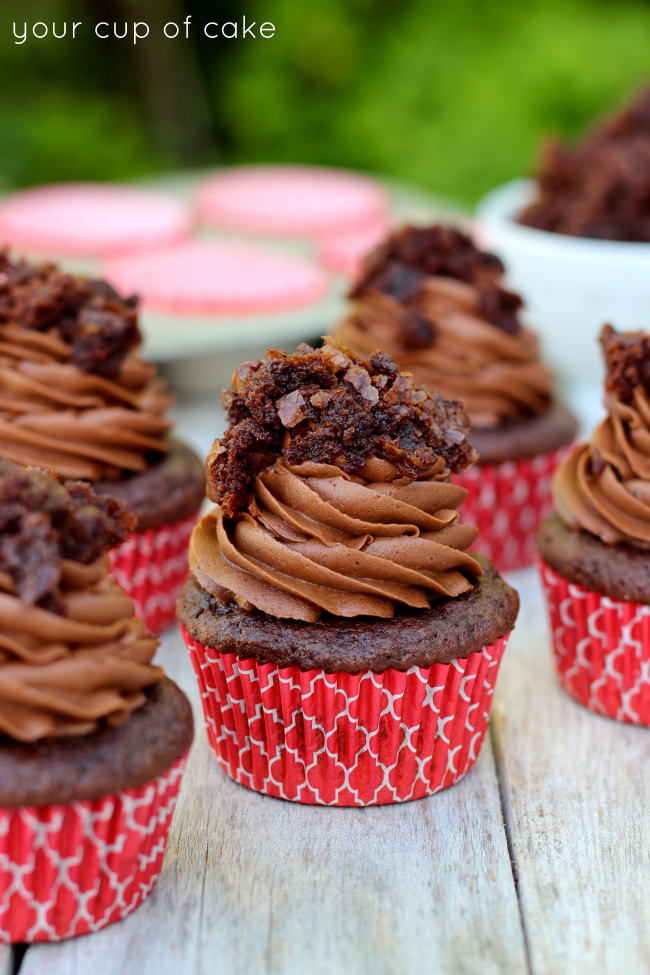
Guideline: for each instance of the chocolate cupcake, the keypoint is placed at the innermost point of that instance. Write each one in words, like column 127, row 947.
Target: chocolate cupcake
column 437, row 304
column 345, row 642
column 93, row 737
column 79, row 399
column 595, row 549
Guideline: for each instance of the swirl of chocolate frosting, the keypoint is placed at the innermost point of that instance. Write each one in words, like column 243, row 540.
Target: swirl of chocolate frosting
column 66, row 673
column 72, row 654
column 603, row 487
column 76, row 397
column 435, row 303
column 316, row 539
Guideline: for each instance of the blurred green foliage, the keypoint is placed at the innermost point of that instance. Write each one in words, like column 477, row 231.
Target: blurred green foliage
column 452, row 96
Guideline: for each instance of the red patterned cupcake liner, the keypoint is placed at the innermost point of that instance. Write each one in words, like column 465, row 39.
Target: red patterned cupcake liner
column 151, row 567
column 70, row 869
column 345, row 739
column 602, row 648
column 506, row 502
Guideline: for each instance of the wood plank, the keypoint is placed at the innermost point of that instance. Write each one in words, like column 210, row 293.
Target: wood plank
column 576, row 801
column 6, row 960
column 256, row 884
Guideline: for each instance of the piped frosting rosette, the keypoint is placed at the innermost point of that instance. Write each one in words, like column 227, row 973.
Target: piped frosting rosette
column 64, row 673
column 317, row 539
column 76, row 396
column 599, row 606
column 603, row 487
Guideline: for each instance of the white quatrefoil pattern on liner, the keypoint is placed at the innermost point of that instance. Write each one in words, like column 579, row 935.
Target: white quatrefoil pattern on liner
column 151, row 567
column 506, row 502
column 70, row 869
column 345, row 739
column 602, row 648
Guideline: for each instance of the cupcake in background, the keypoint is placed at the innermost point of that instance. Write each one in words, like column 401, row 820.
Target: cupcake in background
column 78, row 399
column 93, row 737
column 345, row 641
column 437, row 305
column 595, row 549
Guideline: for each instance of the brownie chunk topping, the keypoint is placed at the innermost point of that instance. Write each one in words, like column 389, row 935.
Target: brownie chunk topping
column 627, row 360
column 600, row 186
column 43, row 522
column 400, row 265
column 98, row 324
column 325, row 406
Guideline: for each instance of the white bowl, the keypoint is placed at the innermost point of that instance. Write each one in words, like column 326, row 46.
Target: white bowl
column 571, row 285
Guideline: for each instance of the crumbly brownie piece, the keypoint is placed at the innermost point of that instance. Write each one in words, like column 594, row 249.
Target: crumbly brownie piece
column 618, row 571
column 168, row 490
column 600, row 186
column 43, row 522
column 451, row 628
column 400, row 265
column 323, row 405
column 529, row 437
column 627, row 361
column 106, row 762
column 99, row 325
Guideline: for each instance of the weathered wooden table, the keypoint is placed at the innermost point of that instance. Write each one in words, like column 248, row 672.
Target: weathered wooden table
column 537, row 861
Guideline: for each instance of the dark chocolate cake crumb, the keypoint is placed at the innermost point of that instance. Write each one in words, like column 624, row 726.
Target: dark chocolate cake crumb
column 600, row 186
column 43, row 521
column 323, row 405
column 98, row 324
column 399, row 266
column 627, row 360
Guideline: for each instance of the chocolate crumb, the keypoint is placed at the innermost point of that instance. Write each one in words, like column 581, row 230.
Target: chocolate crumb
column 415, row 330
column 627, row 361
column 400, row 265
column 90, row 316
column 325, row 406
column 43, row 522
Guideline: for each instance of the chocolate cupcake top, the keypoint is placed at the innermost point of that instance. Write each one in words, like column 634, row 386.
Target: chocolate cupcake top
column 437, row 304
column 603, row 486
column 600, row 186
column 334, row 491
column 72, row 655
column 76, row 396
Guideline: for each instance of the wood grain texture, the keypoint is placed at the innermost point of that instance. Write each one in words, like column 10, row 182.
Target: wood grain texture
column 6, row 965
column 577, row 796
column 252, row 884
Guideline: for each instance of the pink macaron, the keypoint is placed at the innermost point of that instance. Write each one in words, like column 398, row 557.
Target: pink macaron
column 89, row 220
column 208, row 278
column 299, row 201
